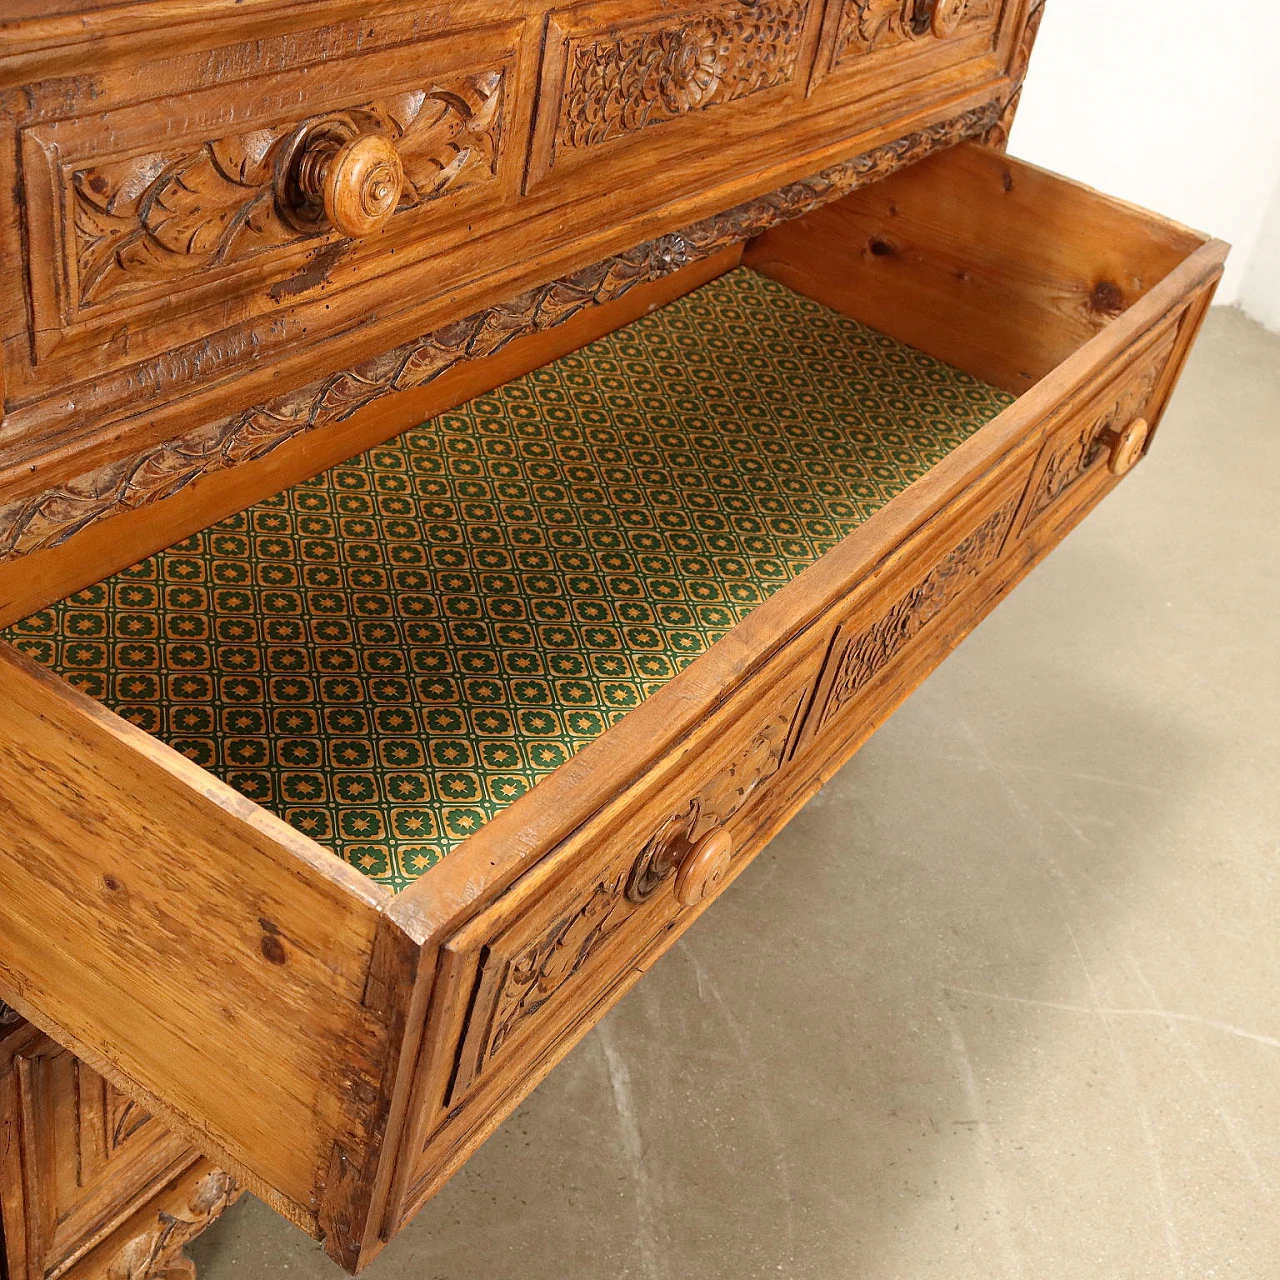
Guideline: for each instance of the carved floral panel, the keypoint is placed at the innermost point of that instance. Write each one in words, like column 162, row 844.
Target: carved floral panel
column 540, row 968
column 870, row 26
column 864, row 654
column 620, row 84
column 171, row 213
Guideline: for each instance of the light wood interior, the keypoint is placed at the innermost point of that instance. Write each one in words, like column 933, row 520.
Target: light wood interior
column 993, row 265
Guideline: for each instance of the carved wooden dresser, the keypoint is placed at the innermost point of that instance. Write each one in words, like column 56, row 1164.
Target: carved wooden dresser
column 91, row 1188
column 468, row 474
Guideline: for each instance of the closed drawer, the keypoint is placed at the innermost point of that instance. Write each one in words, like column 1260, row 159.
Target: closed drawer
column 90, row 1185
column 263, row 220
column 545, row 673
column 228, row 216
column 871, row 46
column 624, row 85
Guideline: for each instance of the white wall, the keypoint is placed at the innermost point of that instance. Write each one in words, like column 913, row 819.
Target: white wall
column 1260, row 293
column 1173, row 104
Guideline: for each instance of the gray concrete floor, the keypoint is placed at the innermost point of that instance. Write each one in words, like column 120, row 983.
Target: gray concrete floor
column 1002, row 1001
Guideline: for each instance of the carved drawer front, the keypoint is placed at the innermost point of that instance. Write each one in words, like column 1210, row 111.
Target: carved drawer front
column 89, row 1183
column 872, row 45
column 627, row 84
column 1082, row 459
column 182, row 227
column 530, row 975
column 898, row 626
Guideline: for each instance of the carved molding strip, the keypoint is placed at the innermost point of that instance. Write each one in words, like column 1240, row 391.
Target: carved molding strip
column 621, row 85
column 165, row 215
column 48, row 519
column 157, row 1253
column 868, row 652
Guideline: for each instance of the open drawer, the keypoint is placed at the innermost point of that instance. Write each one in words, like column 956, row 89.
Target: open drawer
column 330, row 829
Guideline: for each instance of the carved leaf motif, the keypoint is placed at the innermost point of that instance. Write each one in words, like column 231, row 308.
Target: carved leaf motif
column 871, row 650
column 870, row 24
column 534, row 976
column 157, row 1254
column 616, row 87
column 1073, row 459
column 161, row 216
column 49, row 518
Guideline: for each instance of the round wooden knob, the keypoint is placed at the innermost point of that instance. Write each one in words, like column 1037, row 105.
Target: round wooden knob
column 946, row 16
column 705, row 867
column 1127, row 445
column 357, row 180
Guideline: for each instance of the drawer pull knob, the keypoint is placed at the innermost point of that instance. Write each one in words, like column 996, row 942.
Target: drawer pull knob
column 358, row 182
column 706, row 866
column 1126, row 445
column 334, row 176
column 947, row 15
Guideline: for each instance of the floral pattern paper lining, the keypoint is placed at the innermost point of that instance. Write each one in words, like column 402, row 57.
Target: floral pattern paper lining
column 389, row 654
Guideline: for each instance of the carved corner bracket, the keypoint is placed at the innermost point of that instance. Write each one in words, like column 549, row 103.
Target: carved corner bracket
column 157, row 1253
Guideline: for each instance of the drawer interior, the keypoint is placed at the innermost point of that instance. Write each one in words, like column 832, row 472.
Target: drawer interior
column 392, row 652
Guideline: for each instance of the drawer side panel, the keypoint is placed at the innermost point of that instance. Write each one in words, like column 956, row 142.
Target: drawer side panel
column 177, row 939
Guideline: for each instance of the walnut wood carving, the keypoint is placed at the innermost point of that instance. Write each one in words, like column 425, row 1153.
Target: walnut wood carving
column 8, row 1017
column 869, row 26
column 170, row 214
column 1073, row 458
column 862, row 656
column 622, row 84
column 537, row 973
column 157, row 1253
column 48, row 519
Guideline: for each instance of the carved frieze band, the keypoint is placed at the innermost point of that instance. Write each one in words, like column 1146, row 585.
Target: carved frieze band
column 542, row 968
column 620, row 85
column 50, row 518
column 171, row 214
column 863, row 655
column 869, row 26
column 1070, row 460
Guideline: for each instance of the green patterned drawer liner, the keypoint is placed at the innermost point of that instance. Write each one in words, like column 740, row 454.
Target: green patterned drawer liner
column 389, row 654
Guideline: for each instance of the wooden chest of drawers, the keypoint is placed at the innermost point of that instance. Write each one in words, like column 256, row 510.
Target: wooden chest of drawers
column 389, row 783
